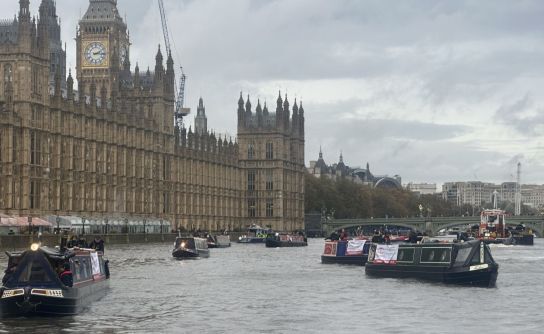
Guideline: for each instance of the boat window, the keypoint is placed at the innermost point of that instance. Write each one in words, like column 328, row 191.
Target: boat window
column 34, row 272
column 435, row 255
column 475, row 258
column 462, row 255
column 487, row 257
column 406, row 255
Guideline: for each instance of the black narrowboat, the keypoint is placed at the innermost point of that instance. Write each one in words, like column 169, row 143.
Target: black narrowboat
column 465, row 263
column 190, row 248
column 286, row 240
column 353, row 252
column 49, row 281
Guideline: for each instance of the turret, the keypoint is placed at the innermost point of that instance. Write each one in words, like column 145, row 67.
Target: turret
column 159, row 69
column 294, row 128
column 279, row 112
column 70, row 86
column 24, row 11
column 201, row 121
column 301, row 121
column 43, row 30
column 137, row 77
column 241, row 112
column 286, row 114
column 170, row 76
column 259, row 112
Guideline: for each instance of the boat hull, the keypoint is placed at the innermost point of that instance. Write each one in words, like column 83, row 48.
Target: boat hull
column 358, row 260
column 251, row 240
column 74, row 300
column 525, row 240
column 486, row 277
column 190, row 253
column 278, row 243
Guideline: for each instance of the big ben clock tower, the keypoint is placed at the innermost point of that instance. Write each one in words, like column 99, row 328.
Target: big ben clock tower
column 102, row 47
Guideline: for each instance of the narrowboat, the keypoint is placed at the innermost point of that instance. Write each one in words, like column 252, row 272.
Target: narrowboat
column 286, row 240
column 52, row 281
column 190, row 248
column 493, row 230
column 255, row 234
column 218, row 241
column 346, row 252
column 465, row 263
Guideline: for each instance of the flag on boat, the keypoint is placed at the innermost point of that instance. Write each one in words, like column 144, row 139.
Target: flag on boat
column 355, row 247
column 386, row 254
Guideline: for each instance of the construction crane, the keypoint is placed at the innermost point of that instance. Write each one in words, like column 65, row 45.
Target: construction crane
column 180, row 111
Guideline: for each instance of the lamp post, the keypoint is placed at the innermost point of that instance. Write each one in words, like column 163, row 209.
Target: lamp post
column 83, row 222
column 58, row 224
column 106, row 220
column 29, row 225
column 144, row 226
column 161, row 225
column 126, row 225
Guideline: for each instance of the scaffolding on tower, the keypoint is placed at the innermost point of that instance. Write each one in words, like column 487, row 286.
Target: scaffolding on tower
column 180, row 110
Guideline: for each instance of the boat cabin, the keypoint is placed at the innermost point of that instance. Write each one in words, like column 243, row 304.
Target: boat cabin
column 492, row 224
column 432, row 254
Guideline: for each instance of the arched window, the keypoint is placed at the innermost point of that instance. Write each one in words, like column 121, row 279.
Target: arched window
column 8, row 73
column 250, row 152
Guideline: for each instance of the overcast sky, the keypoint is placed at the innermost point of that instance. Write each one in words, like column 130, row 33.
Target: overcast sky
column 434, row 91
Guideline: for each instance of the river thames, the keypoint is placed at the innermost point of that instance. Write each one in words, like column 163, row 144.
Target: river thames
column 254, row 289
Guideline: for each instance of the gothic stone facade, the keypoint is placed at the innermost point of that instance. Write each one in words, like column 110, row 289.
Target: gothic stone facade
column 112, row 148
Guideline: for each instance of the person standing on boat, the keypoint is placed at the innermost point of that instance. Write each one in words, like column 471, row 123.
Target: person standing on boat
column 97, row 244
column 66, row 276
column 344, row 235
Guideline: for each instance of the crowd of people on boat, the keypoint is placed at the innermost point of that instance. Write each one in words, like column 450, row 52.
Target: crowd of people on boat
column 380, row 236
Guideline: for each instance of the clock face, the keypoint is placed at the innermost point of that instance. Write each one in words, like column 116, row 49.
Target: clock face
column 95, row 53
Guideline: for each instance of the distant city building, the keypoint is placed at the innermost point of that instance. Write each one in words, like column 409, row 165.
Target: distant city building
column 422, row 188
column 319, row 169
column 478, row 193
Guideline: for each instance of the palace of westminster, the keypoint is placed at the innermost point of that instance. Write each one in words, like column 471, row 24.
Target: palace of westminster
column 112, row 149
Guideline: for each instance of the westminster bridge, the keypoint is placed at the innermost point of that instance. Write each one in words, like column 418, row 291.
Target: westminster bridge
column 430, row 225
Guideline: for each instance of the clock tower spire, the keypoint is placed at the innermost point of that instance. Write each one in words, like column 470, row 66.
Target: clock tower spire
column 102, row 46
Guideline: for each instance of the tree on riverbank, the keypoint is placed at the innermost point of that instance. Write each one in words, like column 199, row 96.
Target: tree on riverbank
column 346, row 199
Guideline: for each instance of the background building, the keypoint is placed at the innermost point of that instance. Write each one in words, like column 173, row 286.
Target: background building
column 319, row 168
column 422, row 188
column 478, row 194
column 111, row 149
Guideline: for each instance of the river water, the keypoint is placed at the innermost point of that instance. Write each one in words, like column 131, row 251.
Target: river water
column 254, row 289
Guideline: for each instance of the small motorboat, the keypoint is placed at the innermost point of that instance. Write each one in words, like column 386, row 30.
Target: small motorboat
column 346, row 252
column 286, row 240
column 190, row 248
column 464, row 263
column 52, row 281
column 255, row 234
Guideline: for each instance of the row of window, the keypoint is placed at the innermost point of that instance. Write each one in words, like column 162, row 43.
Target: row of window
column 252, row 210
column 269, row 151
column 252, row 179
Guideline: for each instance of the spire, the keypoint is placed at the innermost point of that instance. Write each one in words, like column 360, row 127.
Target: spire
column 265, row 109
column 341, row 158
column 248, row 105
column 70, row 85
column 320, row 153
column 286, row 114
column 241, row 102
column 279, row 111
column 158, row 57
column 259, row 111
